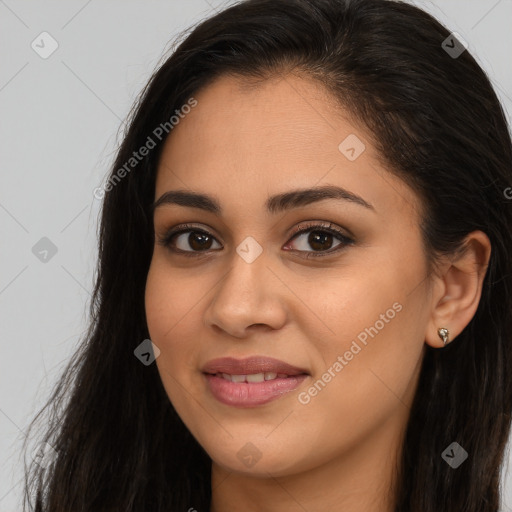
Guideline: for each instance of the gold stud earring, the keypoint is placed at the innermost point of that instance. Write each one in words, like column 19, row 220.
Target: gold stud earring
column 444, row 334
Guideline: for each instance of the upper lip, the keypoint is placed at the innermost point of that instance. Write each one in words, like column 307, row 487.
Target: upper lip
column 250, row 365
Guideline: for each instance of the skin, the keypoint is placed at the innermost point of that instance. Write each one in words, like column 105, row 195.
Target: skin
column 337, row 452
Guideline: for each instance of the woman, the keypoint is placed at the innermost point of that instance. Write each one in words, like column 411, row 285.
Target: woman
column 303, row 299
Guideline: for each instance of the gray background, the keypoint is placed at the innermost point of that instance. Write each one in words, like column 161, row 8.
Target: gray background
column 60, row 118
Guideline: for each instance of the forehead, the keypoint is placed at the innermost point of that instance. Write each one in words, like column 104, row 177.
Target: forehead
column 282, row 115
column 285, row 133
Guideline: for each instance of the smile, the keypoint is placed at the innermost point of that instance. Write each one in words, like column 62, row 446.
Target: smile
column 253, row 377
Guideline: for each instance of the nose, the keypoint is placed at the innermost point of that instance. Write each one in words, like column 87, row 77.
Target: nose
column 249, row 297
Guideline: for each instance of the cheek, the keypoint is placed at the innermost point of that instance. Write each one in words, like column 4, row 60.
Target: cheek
column 173, row 326
column 371, row 352
column 370, row 385
column 171, row 323
column 169, row 301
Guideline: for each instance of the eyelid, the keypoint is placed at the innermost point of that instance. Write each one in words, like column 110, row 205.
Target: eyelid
column 322, row 225
column 183, row 228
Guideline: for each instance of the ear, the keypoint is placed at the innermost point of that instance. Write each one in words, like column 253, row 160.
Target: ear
column 457, row 289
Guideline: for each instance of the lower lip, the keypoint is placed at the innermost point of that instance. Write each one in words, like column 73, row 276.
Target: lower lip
column 250, row 394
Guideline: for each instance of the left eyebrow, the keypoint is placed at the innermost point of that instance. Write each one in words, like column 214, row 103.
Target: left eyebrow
column 274, row 204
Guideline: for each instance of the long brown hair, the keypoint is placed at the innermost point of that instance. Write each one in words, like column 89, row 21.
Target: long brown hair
column 437, row 124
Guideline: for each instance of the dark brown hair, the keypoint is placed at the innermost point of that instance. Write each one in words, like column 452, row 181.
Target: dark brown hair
column 437, row 124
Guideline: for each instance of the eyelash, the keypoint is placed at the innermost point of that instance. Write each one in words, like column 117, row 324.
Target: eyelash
column 166, row 240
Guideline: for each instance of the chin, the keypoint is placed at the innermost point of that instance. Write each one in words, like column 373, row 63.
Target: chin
column 257, row 459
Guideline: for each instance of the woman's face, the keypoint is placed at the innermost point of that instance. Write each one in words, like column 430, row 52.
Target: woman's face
column 349, row 310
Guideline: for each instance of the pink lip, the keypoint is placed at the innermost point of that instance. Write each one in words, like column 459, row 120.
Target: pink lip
column 254, row 364
column 250, row 394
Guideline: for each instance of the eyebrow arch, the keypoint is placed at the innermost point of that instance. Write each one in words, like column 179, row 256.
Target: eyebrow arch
column 274, row 204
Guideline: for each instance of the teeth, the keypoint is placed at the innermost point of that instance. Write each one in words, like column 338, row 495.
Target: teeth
column 254, row 377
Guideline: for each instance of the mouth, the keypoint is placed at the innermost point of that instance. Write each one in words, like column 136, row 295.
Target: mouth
column 251, row 382
column 253, row 377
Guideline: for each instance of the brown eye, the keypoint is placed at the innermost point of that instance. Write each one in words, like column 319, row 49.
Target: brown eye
column 196, row 240
column 189, row 241
column 320, row 239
